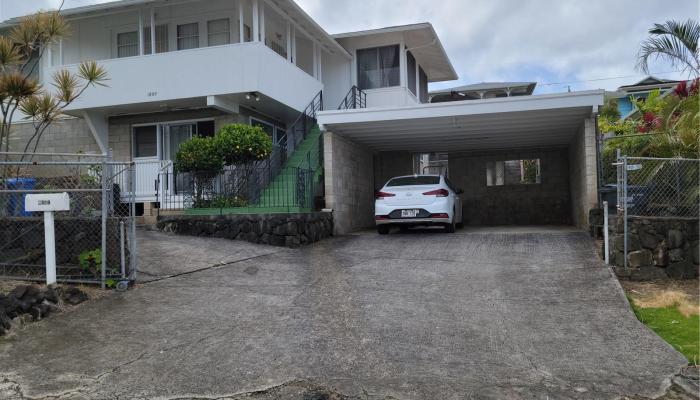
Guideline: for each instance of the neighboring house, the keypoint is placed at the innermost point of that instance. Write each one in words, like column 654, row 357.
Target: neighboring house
column 483, row 90
column 640, row 90
column 187, row 67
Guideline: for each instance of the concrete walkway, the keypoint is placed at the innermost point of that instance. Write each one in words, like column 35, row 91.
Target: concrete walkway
column 484, row 313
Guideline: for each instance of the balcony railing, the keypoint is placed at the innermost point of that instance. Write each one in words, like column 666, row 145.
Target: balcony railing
column 356, row 98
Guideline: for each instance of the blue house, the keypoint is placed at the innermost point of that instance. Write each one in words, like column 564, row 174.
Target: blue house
column 640, row 90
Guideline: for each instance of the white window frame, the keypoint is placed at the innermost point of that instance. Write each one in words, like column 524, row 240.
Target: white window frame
column 377, row 46
column 160, row 130
column 199, row 34
column 230, row 30
column 115, row 39
column 147, row 41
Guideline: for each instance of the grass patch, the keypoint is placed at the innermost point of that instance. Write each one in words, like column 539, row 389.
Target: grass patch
column 682, row 332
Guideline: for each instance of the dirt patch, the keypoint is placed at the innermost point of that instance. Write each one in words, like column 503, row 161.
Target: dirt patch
column 659, row 294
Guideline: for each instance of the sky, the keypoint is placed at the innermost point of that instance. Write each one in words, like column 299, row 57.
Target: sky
column 561, row 44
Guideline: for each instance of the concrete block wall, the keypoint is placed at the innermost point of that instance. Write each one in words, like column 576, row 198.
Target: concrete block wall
column 349, row 183
column 583, row 173
column 544, row 203
column 389, row 164
column 69, row 135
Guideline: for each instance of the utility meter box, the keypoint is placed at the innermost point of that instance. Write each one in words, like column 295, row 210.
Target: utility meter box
column 45, row 202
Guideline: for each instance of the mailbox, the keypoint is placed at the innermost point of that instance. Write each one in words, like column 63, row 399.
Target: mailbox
column 47, row 202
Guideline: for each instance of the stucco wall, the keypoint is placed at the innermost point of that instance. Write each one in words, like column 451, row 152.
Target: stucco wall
column 582, row 174
column 349, row 183
column 544, row 203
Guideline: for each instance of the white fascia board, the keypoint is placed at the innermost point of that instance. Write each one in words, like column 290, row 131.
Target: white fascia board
column 222, row 104
column 592, row 99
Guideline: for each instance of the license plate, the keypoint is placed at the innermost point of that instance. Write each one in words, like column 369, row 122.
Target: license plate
column 409, row 213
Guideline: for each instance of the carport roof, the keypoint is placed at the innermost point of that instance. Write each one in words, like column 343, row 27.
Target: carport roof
column 472, row 125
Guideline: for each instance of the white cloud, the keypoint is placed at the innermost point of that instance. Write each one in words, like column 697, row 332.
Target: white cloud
column 539, row 40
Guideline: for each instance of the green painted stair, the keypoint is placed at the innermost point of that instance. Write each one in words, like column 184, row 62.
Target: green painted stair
column 280, row 196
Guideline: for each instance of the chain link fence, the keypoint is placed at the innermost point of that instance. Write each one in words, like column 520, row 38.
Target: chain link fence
column 667, row 188
column 95, row 240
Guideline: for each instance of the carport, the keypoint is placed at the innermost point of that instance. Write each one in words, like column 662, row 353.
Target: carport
column 365, row 147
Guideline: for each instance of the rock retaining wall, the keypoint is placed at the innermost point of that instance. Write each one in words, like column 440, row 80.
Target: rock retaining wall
column 657, row 248
column 288, row 230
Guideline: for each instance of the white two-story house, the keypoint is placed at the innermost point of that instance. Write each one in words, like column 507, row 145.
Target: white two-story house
column 179, row 68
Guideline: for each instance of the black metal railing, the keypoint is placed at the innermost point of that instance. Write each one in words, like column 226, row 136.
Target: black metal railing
column 301, row 127
column 356, row 98
column 243, row 189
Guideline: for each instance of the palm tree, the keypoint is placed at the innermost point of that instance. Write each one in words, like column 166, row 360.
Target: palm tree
column 676, row 42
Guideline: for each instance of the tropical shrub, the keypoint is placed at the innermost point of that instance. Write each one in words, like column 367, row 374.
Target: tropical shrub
column 199, row 154
column 242, row 144
column 666, row 126
column 91, row 261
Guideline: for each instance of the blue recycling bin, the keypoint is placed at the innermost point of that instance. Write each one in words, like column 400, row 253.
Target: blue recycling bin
column 15, row 203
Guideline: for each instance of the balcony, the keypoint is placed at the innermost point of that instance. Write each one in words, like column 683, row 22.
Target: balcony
column 187, row 77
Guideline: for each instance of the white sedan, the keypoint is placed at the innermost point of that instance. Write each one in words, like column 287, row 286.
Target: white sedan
column 417, row 200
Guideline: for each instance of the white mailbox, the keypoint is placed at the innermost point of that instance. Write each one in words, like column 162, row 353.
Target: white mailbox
column 47, row 202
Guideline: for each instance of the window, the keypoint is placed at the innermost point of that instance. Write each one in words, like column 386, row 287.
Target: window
column 275, row 132
column 146, row 141
column 127, row 44
column 414, row 180
column 423, row 85
column 205, row 129
column 513, row 172
column 411, row 72
column 378, row 67
column 219, row 32
column 430, row 163
column 188, row 36
column 161, row 39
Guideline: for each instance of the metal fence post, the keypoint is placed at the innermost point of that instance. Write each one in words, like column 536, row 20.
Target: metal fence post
column 606, row 242
column 103, row 266
column 624, row 208
column 133, row 266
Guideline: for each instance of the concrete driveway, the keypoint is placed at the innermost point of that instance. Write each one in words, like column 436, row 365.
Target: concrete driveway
column 485, row 313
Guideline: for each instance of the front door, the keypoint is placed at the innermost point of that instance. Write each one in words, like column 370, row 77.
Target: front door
column 173, row 136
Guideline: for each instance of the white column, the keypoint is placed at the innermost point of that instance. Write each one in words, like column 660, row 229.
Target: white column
column 289, row 41
column 256, row 21
column 153, row 31
column 418, row 88
column 402, row 66
column 142, row 45
column 241, row 31
column 262, row 21
column 320, row 63
column 315, row 61
column 60, row 52
column 294, row 46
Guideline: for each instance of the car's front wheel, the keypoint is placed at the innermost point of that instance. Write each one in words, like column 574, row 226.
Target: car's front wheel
column 382, row 229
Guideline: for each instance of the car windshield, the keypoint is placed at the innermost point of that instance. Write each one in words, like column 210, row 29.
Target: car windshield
column 414, row 180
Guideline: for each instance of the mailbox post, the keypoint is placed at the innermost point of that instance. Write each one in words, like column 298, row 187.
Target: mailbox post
column 48, row 203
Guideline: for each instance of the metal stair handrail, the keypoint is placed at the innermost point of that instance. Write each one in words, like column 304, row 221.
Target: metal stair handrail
column 355, row 98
